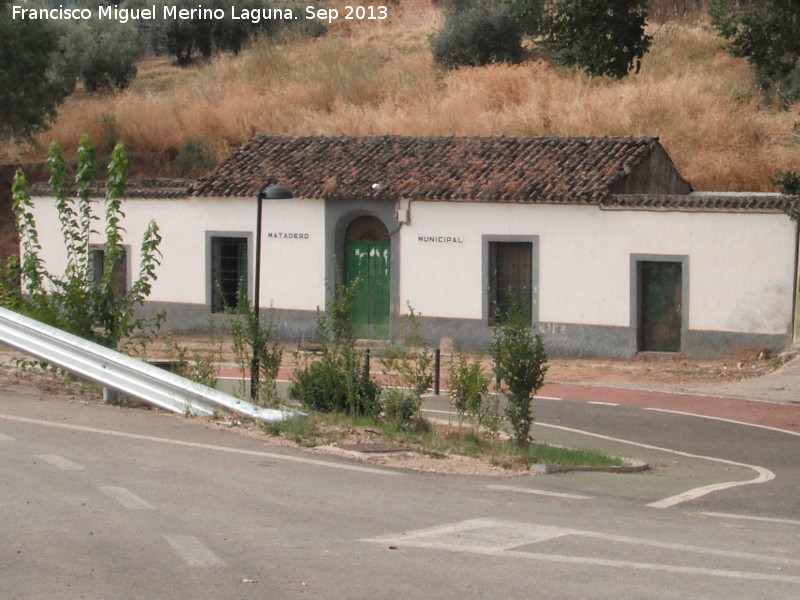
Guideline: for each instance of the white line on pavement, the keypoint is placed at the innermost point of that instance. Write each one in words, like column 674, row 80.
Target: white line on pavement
column 748, row 518
column 763, row 476
column 508, row 488
column 684, row 548
column 228, row 449
column 623, row 564
column 767, row 427
column 193, row 551
column 6, row 438
column 499, row 538
column 127, row 498
column 603, row 403
column 60, row 462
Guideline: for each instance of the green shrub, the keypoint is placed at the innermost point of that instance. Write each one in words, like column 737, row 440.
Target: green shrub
column 255, row 351
column 787, row 90
column 468, row 387
column 194, row 365
column 323, row 386
column 409, row 369
column 790, row 185
column 195, row 154
column 400, row 407
column 489, row 415
column 520, row 364
column 339, row 381
column 478, row 34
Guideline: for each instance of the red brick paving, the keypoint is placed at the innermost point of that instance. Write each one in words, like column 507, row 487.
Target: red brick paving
column 770, row 414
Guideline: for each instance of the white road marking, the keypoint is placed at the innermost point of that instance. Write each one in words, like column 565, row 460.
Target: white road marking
column 476, row 535
column 622, row 564
column 767, row 427
column 228, row 449
column 450, row 412
column 603, row 403
column 60, row 462
column 763, row 475
column 508, row 488
column 749, row 518
column 499, row 538
column 127, row 498
column 6, row 438
column 683, row 548
column 193, row 551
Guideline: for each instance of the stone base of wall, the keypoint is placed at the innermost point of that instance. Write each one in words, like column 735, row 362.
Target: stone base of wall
column 564, row 340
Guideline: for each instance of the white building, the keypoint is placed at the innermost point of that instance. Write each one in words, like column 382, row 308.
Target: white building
column 599, row 240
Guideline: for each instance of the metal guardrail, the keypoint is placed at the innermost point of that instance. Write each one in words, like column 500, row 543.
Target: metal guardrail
column 124, row 373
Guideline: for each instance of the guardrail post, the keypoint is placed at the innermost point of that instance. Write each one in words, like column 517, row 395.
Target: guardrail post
column 110, row 396
column 437, row 360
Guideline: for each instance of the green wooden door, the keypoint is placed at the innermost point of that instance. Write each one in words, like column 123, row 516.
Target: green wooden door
column 660, row 310
column 368, row 261
column 510, row 280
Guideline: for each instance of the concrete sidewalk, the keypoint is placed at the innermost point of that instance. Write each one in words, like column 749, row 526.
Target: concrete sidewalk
column 782, row 385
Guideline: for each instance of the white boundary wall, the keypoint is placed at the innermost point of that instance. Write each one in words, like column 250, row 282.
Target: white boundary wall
column 741, row 265
column 292, row 267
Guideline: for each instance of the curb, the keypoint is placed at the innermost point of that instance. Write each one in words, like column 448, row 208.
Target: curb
column 633, row 466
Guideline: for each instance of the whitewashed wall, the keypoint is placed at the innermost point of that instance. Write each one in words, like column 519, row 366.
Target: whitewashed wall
column 293, row 254
column 292, row 268
column 741, row 265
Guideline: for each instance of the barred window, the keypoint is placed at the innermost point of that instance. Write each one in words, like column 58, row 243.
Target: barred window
column 228, row 272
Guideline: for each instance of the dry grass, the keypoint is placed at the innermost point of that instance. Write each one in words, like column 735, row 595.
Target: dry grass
column 378, row 78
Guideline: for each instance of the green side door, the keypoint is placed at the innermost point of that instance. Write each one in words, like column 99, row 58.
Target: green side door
column 368, row 261
column 660, row 310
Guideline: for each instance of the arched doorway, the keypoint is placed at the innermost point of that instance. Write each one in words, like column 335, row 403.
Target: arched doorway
column 368, row 259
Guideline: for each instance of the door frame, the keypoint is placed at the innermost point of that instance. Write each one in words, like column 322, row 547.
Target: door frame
column 377, row 236
column 488, row 239
column 339, row 213
column 636, row 261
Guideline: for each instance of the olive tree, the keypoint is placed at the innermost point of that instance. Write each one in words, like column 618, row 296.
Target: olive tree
column 602, row 37
column 767, row 34
column 30, row 88
column 476, row 34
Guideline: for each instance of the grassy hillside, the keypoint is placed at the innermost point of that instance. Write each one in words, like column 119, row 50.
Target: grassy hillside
column 378, row 78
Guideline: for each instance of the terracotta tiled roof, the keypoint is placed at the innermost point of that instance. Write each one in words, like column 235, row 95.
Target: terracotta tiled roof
column 702, row 201
column 493, row 169
column 137, row 188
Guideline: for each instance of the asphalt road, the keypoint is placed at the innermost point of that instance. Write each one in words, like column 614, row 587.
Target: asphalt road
column 102, row 502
